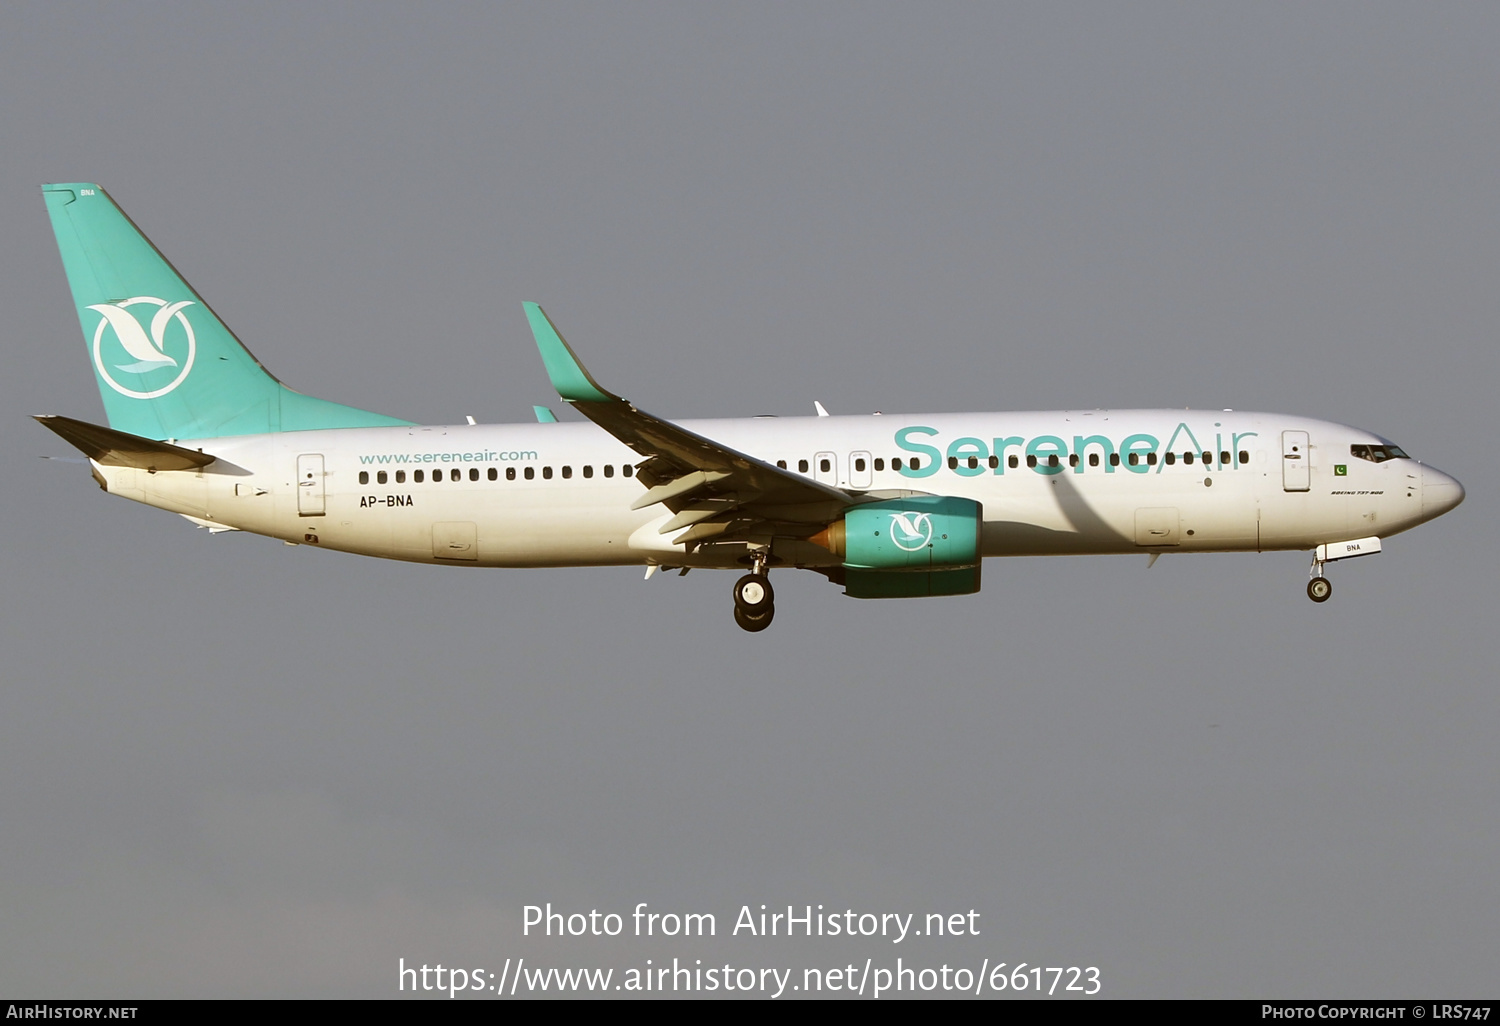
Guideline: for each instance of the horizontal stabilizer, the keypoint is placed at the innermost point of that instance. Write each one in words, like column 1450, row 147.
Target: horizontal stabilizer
column 118, row 449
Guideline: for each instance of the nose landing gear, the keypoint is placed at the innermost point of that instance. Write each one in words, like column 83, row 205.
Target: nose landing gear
column 754, row 599
column 1319, row 588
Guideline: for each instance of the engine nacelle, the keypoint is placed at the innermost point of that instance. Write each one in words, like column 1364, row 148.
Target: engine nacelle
column 919, row 533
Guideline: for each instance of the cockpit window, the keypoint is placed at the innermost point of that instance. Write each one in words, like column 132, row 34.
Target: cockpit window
column 1378, row 453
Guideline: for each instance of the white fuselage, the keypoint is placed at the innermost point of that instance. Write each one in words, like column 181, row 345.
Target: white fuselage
column 1113, row 488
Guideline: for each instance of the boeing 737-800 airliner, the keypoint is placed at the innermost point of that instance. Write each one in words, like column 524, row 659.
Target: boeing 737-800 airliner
column 886, row 506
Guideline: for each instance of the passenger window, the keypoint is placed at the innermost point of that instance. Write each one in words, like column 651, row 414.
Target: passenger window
column 973, row 462
column 781, row 464
column 1171, row 458
column 609, row 470
column 1052, row 461
column 401, row 477
column 417, row 476
column 364, row 477
column 494, row 475
column 879, row 463
column 823, row 466
column 859, row 465
column 1093, row 459
column 567, row 472
column 896, row 463
column 588, row 471
column 547, row 473
column 952, row 462
column 1031, row 461
column 473, row 473
column 510, row 473
column 1114, row 459
column 530, row 473
column 455, row 474
column 1073, row 459
column 1014, row 461
column 627, row 470
column 1135, row 459
column 1208, row 458
column 380, row 477
column 1150, row 459
column 994, row 462
column 915, row 463
column 1244, row 456
column 1224, row 459
column 801, row 466
column 1187, row 458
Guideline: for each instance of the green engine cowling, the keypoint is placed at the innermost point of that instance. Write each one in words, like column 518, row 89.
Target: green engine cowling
column 905, row 548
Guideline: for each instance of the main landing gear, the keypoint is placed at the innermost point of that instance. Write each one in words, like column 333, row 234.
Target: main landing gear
column 754, row 600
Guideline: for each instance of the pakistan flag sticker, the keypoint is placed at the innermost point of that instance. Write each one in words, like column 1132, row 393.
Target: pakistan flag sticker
column 1341, row 470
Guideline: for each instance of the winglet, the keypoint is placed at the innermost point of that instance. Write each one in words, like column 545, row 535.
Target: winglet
column 544, row 415
column 573, row 383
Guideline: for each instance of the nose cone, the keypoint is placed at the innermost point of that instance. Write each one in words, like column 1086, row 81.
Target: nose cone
column 1440, row 493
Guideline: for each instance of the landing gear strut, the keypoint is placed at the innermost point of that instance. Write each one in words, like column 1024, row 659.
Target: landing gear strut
column 1319, row 588
column 754, row 599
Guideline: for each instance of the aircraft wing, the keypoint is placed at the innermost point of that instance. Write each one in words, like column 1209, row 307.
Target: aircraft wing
column 718, row 493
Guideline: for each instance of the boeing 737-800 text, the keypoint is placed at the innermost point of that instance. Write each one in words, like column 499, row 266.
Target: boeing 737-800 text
column 886, row 506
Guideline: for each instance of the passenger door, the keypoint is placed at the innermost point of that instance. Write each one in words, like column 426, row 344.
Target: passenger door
column 311, row 491
column 1296, row 471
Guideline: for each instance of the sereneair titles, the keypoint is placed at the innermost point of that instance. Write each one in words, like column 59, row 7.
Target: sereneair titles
column 1133, row 451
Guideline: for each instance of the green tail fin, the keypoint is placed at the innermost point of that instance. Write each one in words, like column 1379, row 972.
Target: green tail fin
column 166, row 366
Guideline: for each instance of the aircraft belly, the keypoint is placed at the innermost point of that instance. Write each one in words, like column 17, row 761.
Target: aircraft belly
column 509, row 533
column 1074, row 514
column 1301, row 520
column 1226, row 521
column 539, row 535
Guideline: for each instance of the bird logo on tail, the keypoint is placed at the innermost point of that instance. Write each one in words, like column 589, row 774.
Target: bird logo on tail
column 148, row 353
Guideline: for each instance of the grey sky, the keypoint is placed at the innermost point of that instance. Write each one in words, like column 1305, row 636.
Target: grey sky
column 230, row 767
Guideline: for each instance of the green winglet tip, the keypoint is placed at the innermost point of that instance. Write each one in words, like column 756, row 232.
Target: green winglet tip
column 544, row 415
column 572, row 382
